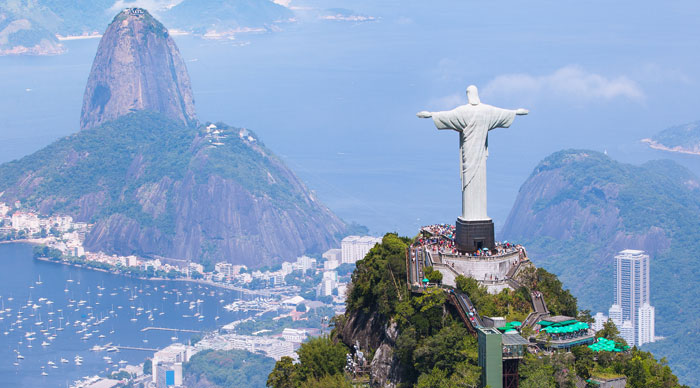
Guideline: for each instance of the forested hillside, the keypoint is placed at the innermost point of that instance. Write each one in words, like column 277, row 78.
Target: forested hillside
column 418, row 340
column 155, row 187
column 579, row 208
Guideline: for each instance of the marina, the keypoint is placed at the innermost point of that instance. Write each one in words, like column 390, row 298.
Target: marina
column 61, row 323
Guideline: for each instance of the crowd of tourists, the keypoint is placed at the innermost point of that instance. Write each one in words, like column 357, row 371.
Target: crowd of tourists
column 439, row 238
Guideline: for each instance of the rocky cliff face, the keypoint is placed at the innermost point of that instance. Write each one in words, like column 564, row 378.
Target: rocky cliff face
column 137, row 67
column 372, row 331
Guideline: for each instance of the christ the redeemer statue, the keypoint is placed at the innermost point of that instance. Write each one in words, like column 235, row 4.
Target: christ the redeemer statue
column 474, row 229
column 473, row 122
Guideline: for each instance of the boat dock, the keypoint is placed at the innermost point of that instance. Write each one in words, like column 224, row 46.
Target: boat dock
column 136, row 348
column 169, row 329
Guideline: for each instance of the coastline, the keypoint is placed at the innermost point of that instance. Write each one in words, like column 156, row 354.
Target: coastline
column 678, row 149
column 78, row 37
column 187, row 280
column 33, row 241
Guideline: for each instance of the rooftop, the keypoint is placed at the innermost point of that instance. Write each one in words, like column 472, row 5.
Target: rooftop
column 513, row 339
column 557, row 319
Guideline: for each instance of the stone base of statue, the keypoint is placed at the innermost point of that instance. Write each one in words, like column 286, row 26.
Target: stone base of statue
column 470, row 236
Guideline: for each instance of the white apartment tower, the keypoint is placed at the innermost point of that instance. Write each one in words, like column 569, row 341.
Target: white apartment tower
column 598, row 321
column 631, row 294
column 354, row 248
column 645, row 328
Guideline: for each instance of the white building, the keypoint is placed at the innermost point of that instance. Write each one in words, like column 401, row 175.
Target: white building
column 632, row 289
column 331, row 264
column 354, row 248
column 333, row 275
column 326, row 287
column 627, row 332
column 294, row 335
column 287, row 268
column 282, row 349
column 77, row 251
column 4, row 209
column 172, row 358
column 293, row 301
column 224, row 268
column 304, row 263
column 615, row 313
column 196, row 267
column 62, row 223
column 22, row 220
column 334, row 254
column 645, row 325
column 277, row 278
column 598, row 321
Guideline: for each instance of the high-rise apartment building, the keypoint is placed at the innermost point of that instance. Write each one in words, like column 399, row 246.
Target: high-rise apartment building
column 631, row 295
column 354, row 248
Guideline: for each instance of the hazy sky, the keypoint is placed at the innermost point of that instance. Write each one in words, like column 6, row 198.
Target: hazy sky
column 336, row 97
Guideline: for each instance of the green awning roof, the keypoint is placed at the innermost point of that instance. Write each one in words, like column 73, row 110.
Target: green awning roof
column 604, row 344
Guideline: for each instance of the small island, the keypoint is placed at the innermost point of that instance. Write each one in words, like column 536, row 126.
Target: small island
column 684, row 139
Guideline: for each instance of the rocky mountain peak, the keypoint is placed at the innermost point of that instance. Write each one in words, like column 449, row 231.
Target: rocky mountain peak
column 137, row 67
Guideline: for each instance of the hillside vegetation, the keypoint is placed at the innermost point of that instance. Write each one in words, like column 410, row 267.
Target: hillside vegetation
column 232, row 368
column 579, row 208
column 423, row 343
column 153, row 186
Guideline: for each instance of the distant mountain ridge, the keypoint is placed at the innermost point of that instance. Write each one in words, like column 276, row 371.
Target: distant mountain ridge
column 20, row 35
column 137, row 67
column 580, row 207
column 680, row 138
column 224, row 17
column 214, row 18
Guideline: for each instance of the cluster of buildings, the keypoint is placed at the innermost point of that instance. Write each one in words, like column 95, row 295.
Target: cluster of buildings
column 215, row 136
column 32, row 224
column 632, row 312
column 62, row 233
column 58, row 231
column 276, row 346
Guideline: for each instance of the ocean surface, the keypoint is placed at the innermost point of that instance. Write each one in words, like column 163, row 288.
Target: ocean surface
column 58, row 299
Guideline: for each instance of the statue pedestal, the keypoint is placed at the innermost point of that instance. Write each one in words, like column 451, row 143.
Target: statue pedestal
column 471, row 236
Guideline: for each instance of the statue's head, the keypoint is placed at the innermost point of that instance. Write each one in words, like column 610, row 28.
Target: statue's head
column 473, row 95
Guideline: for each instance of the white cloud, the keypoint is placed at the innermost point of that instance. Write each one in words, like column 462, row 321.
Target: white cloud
column 570, row 82
column 284, row 3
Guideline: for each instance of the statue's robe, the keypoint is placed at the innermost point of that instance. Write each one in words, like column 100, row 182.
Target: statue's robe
column 473, row 122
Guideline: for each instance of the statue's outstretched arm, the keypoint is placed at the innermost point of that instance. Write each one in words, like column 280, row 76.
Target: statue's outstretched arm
column 521, row 111
column 424, row 114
